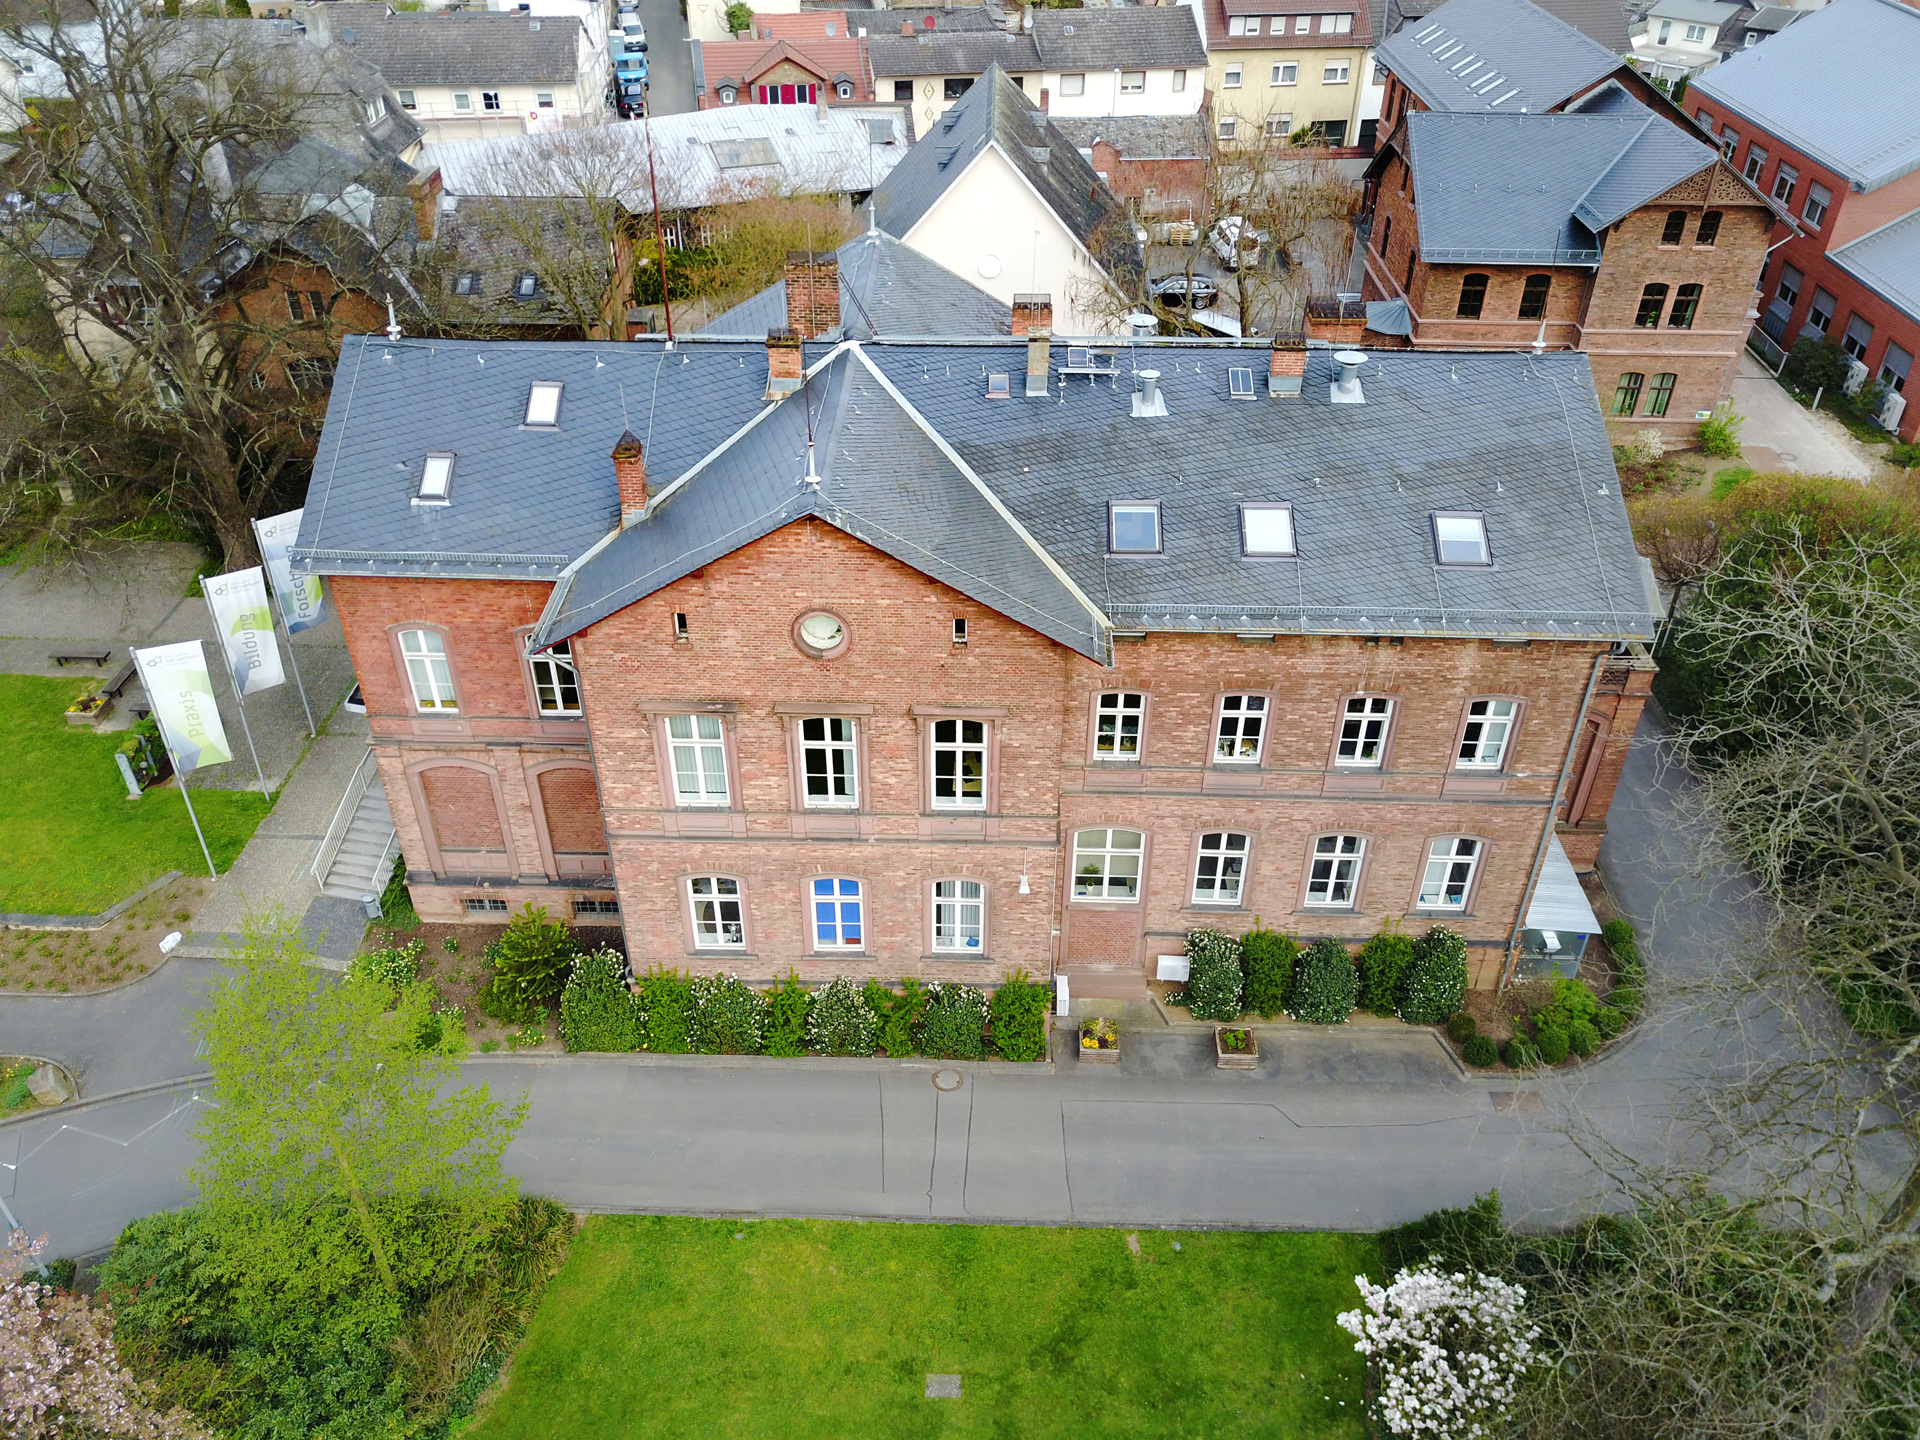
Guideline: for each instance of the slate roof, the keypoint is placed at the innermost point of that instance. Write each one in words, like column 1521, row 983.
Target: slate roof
column 886, row 288
column 1005, row 500
column 1139, row 137
column 956, row 17
column 1602, row 21
column 995, row 112
column 951, row 52
column 468, row 240
column 1218, row 34
column 1786, row 85
column 1136, row 38
column 458, row 47
column 1887, row 261
column 1472, row 56
column 1698, row 12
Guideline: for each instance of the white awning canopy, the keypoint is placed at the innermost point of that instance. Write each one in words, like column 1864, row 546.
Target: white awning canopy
column 1559, row 903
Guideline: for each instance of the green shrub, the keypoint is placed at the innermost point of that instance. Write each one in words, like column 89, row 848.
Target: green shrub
column 1436, row 980
column 597, row 1011
column 1817, row 365
column 1384, row 961
column 396, row 901
column 1904, row 454
column 1582, row 1038
column 1472, row 1238
column 1626, row 1000
column 1521, row 1053
column 1269, row 958
column 1609, row 1022
column 666, row 1008
column 954, row 1026
column 899, row 1012
column 879, row 1000
column 1020, row 1018
column 1481, row 1052
column 530, row 962
column 739, row 17
column 1553, row 1045
column 1572, row 1002
column 392, row 966
column 787, row 1006
column 729, row 1016
column 1620, row 942
column 1325, row 984
column 1213, row 977
column 1176, row 996
column 1729, row 480
column 841, row 1023
column 1720, row 435
column 1462, row 1027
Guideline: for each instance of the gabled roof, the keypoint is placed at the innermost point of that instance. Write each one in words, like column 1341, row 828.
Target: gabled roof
column 1495, row 56
column 745, row 61
column 457, row 47
column 1786, row 85
column 1698, row 12
column 1887, row 261
column 951, row 52
column 886, row 288
column 1602, row 21
column 995, row 112
column 1219, row 36
column 1140, row 37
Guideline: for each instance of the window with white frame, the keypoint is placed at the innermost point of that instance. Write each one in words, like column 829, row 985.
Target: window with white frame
column 543, row 99
column 1336, row 24
column 1106, row 864
column 1229, row 126
column 1266, row 527
column 1363, row 731
column 1333, row 877
column 1483, row 744
column 960, row 764
column 1241, row 733
column 427, row 670
column 698, row 748
column 1784, row 179
column 489, row 99
column 1244, row 24
column 1287, row 73
column 1449, row 873
column 1696, row 33
column 1819, row 197
column 1132, row 82
column 718, row 922
column 1302, row 25
column 556, row 684
column 959, row 914
column 1116, row 725
column 1280, row 125
column 837, row 915
column 462, row 100
column 1221, row 868
column 1073, row 84
column 1231, row 79
column 827, row 761
column 1335, row 73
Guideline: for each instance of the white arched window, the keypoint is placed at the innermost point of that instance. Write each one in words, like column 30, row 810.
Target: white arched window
column 427, row 670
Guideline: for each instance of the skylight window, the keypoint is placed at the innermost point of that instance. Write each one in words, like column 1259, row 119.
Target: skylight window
column 1240, row 382
column 1134, row 529
column 543, row 402
column 467, row 283
column 436, row 480
column 526, row 285
column 1460, row 539
column 998, row 386
column 1266, row 529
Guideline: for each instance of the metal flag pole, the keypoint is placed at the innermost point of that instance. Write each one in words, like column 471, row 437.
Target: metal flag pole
column 181, row 776
column 273, row 599
column 238, row 699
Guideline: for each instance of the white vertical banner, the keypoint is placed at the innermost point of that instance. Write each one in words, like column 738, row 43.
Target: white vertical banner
column 181, row 693
column 301, row 604
column 244, row 624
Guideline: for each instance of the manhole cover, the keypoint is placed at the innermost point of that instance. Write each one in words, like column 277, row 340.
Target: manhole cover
column 1787, row 455
column 947, row 1080
column 943, row 1387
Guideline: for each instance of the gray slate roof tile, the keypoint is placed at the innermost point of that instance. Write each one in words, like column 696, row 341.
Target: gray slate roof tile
column 886, row 288
column 1534, row 60
column 458, row 47
column 1137, row 37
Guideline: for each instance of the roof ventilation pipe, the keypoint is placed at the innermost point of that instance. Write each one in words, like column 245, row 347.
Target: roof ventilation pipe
column 1141, row 325
column 1148, row 400
column 1346, row 388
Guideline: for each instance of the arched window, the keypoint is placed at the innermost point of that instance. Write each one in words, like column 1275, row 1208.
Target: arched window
column 1653, row 300
column 1333, row 875
column 1685, row 303
column 1106, row 864
column 1221, row 869
column 1709, row 228
column 1473, row 297
column 1448, row 880
column 1533, row 297
column 959, row 915
column 427, row 670
column 1661, row 393
column 1627, row 397
column 1676, row 228
column 839, row 914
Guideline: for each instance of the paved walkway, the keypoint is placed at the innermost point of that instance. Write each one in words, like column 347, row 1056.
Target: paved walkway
column 1815, row 444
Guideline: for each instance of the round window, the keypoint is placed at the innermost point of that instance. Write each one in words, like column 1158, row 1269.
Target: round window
column 821, row 634
column 989, row 266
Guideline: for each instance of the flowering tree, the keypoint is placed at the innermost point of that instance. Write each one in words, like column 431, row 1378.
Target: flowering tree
column 59, row 1373
column 1449, row 1351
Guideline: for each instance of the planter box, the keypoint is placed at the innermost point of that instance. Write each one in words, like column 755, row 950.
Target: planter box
column 1109, row 1056
column 91, row 717
column 1247, row 1059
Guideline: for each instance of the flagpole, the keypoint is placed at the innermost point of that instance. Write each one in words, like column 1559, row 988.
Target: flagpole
column 181, row 776
column 273, row 599
column 238, row 699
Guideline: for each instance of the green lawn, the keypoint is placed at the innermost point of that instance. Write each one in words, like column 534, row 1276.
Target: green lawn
column 73, row 842
column 667, row 1326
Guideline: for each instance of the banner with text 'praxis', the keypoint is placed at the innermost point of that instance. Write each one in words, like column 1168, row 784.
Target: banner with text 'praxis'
column 301, row 604
column 245, row 627
column 181, row 693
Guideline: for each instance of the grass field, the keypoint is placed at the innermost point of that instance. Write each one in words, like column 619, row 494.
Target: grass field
column 73, row 842
column 672, row 1327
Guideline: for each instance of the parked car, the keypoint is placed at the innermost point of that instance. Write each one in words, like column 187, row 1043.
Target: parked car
column 1235, row 243
column 1174, row 291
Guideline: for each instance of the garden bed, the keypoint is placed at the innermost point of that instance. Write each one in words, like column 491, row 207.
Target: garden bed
column 68, row 962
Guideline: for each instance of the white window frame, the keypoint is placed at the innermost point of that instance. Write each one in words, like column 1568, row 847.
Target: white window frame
column 1279, row 126
column 1230, row 78
column 1286, row 72
column 841, row 894
column 697, row 756
column 1337, row 72
column 1220, row 870
column 543, row 404
column 1282, row 508
column 1073, row 84
column 555, row 673
column 1109, row 860
column 837, row 747
column 1819, row 199
column 1489, row 729
column 462, row 101
column 1133, row 82
column 1450, row 528
column 1237, row 24
column 436, row 478
column 1179, row 82
column 959, row 916
column 1234, row 716
column 543, row 99
column 1452, row 862
column 1229, row 126
column 710, row 898
column 490, row 101
column 1333, row 872
column 1303, row 24
column 429, row 672
column 1365, row 721
column 1111, row 742
column 950, row 745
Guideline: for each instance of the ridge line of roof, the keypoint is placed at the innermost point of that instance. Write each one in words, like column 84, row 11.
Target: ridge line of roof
column 1618, row 155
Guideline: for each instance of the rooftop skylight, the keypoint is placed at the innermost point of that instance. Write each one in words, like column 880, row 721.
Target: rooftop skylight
column 1133, row 528
column 1460, row 538
column 436, row 478
column 1240, row 382
column 543, row 402
column 1266, row 529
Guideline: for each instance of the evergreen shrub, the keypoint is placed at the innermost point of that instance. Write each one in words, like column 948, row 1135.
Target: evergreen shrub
column 1481, row 1052
column 1608, row 1021
column 1521, row 1053
column 1436, row 981
column 1582, row 1038
column 1213, row 976
column 666, row 1010
column 1625, row 1000
column 841, row 1023
column 900, row 1017
column 1462, row 1027
column 1020, row 1018
column 1269, row 957
column 786, row 1028
column 597, row 1011
column 531, row 962
column 1553, row 1045
column 954, row 1025
column 1325, row 984
column 729, row 1016
column 1384, row 961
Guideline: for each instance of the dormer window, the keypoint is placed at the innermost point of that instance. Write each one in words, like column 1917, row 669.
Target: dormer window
column 1460, row 538
column 543, row 403
column 436, row 479
column 526, row 285
column 844, row 89
column 1133, row 528
column 1266, row 530
column 728, row 94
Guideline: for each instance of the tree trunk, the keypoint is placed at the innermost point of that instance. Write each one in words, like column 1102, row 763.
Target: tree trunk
column 1868, row 1308
column 365, row 1212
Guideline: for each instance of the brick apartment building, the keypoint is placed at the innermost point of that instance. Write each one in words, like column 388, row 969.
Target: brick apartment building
column 950, row 658
column 1849, row 174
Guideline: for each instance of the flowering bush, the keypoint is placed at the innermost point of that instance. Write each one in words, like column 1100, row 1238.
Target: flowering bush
column 1436, row 982
column 394, row 966
column 728, row 1017
column 954, row 1025
column 1448, row 1351
column 1214, row 977
column 597, row 1011
column 840, row 1022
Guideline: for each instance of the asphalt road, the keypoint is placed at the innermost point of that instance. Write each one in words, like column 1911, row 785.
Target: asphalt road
column 669, row 58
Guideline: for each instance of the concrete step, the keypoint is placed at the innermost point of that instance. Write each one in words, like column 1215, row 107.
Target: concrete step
column 367, row 843
column 1127, row 984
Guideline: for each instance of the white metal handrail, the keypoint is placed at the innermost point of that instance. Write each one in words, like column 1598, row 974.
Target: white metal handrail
column 336, row 835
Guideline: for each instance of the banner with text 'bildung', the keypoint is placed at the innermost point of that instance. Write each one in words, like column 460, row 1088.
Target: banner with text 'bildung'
column 245, row 627
column 181, row 693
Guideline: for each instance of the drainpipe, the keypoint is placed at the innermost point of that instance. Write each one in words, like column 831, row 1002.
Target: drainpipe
column 1546, row 835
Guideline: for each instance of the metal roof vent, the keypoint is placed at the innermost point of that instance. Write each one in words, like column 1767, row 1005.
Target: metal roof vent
column 1140, row 325
column 1346, row 389
column 1148, row 400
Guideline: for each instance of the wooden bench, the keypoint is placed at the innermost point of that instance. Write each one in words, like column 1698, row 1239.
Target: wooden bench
column 63, row 657
column 118, row 680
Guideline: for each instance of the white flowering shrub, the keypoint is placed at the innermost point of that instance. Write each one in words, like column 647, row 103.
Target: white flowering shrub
column 1448, row 1351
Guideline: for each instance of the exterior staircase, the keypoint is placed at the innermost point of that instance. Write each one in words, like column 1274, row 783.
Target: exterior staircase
column 355, row 856
column 1102, row 982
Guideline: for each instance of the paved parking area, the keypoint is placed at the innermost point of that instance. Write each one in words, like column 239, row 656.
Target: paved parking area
column 1811, row 443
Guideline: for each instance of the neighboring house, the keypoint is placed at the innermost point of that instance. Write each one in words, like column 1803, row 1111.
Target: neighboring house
column 1271, row 74
column 1680, row 38
column 1607, row 230
column 1142, row 60
column 872, row 287
column 1848, row 173
column 473, row 74
column 1157, row 163
column 1753, row 24
column 800, row 59
column 492, row 262
column 993, row 193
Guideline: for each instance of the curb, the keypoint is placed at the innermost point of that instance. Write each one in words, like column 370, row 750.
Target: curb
column 131, row 1093
column 766, row 1062
column 17, row 921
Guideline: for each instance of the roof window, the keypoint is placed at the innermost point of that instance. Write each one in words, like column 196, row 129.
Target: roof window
column 1460, row 538
column 1240, row 382
column 1266, row 529
column 436, row 479
column 467, row 283
column 543, row 403
column 998, row 387
column 1133, row 527
column 526, row 285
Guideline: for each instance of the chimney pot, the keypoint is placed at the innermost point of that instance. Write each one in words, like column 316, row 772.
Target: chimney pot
column 813, row 292
column 1148, row 400
column 1030, row 313
column 1346, row 389
column 630, row 473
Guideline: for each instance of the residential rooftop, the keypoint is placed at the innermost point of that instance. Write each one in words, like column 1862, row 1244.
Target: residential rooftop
column 1602, row 21
column 1491, row 56
column 454, row 47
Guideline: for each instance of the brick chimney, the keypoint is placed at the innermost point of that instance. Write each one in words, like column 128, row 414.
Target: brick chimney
column 813, row 292
column 424, row 192
column 784, row 363
column 906, row 27
column 1030, row 313
column 630, row 473
column 1286, row 365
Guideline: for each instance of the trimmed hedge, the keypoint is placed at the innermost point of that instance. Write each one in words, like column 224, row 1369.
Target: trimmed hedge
column 1384, row 962
column 1462, row 1027
column 1020, row 1018
column 597, row 1011
column 954, row 1026
column 1214, row 978
column 666, row 1008
column 729, row 1017
column 1269, row 958
column 900, row 1019
column 788, row 1005
column 1436, row 981
column 1521, row 1053
column 1481, row 1052
column 1325, row 984
column 1554, row 1045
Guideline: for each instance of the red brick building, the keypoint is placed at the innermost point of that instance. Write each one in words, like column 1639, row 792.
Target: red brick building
column 952, row 658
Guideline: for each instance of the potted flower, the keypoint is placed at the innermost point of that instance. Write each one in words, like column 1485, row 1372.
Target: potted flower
column 1099, row 1042
column 1235, row 1048
column 89, row 709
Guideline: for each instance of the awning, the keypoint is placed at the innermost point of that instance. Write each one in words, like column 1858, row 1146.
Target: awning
column 1389, row 317
column 1559, row 903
